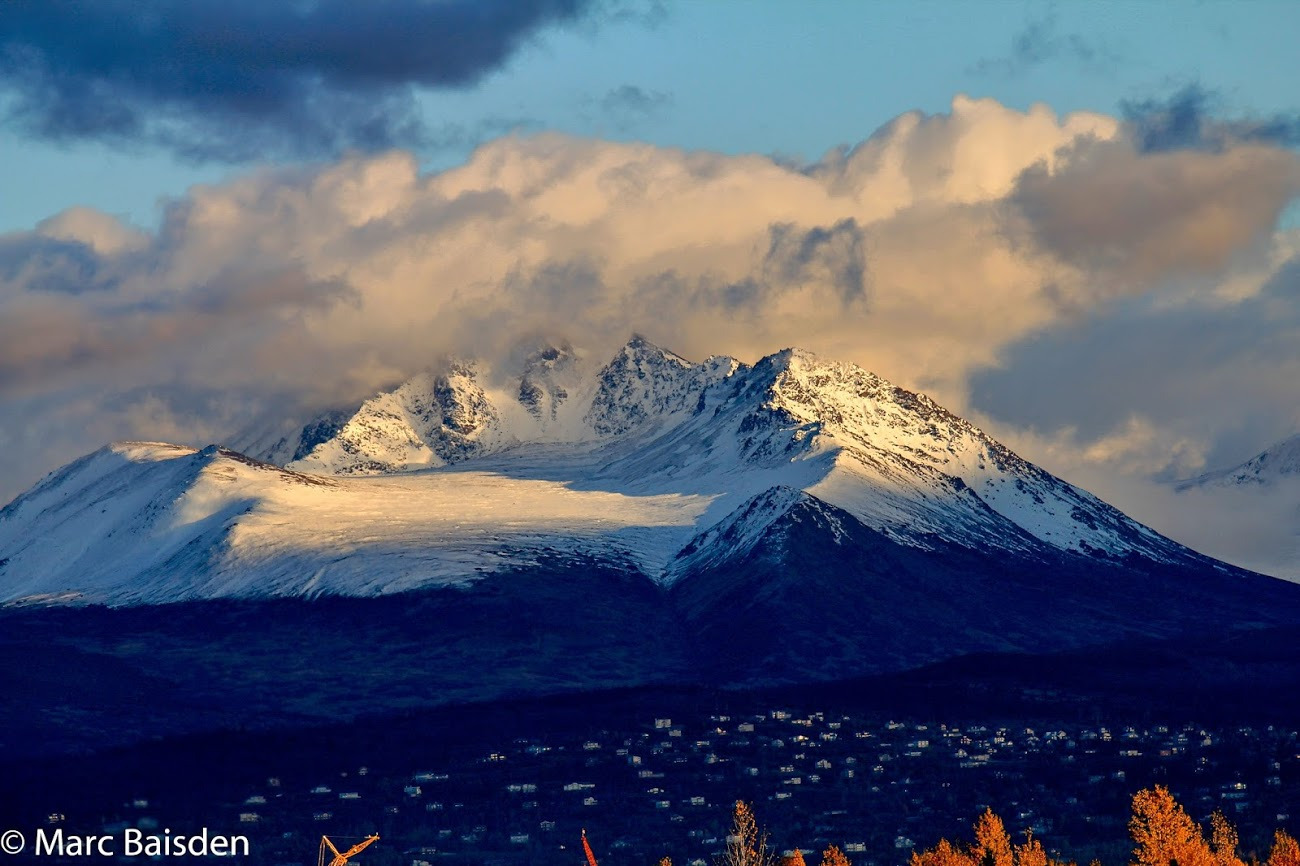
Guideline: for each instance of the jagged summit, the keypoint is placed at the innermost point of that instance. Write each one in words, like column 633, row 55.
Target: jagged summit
column 549, row 373
column 429, row 420
column 648, row 459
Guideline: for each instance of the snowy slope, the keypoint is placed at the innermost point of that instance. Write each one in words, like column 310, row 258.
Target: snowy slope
column 907, row 467
column 151, row 523
column 1272, row 465
column 648, row 460
column 1248, row 514
column 890, row 457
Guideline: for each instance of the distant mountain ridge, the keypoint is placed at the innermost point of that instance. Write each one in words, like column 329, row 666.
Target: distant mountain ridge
column 1275, row 463
column 1248, row 514
column 570, row 525
column 639, row 458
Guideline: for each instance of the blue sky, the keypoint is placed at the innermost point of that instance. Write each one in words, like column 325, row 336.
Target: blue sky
column 782, row 78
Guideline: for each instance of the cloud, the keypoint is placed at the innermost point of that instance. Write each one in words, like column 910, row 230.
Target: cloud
column 631, row 99
column 52, row 332
column 975, row 153
column 1212, row 377
column 937, row 248
column 237, row 80
column 1191, row 117
column 624, row 108
column 1131, row 217
column 46, row 264
column 1040, row 41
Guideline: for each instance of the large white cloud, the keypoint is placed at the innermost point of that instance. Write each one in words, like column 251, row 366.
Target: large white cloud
column 923, row 253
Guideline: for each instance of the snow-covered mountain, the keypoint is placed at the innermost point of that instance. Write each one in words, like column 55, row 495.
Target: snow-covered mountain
column 569, row 524
column 1278, row 463
column 1248, row 514
column 648, row 459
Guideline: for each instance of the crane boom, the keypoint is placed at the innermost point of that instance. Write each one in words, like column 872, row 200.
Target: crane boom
column 342, row 858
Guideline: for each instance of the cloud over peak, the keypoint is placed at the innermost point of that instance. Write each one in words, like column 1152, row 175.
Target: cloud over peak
column 927, row 252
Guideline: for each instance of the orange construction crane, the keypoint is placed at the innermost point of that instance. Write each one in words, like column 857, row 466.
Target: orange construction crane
column 340, row 859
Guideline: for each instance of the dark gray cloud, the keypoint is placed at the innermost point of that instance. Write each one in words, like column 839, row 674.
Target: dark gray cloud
column 831, row 258
column 631, row 99
column 1226, row 374
column 834, row 257
column 626, row 107
column 233, row 80
column 1285, row 282
column 35, row 263
column 1132, row 217
column 1040, row 41
column 1194, row 118
column 66, row 310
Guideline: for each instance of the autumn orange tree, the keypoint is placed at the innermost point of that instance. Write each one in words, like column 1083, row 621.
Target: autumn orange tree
column 1164, row 834
column 943, row 854
column 992, row 847
column 1162, row 831
column 992, row 844
column 833, row 856
column 1286, row 852
column 1031, row 853
column 746, row 844
column 1223, row 841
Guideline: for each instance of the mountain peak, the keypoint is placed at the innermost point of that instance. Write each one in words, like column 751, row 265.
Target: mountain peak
column 550, row 374
column 429, row 420
column 793, row 356
column 1280, row 460
column 639, row 348
column 632, row 461
column 644, row 382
